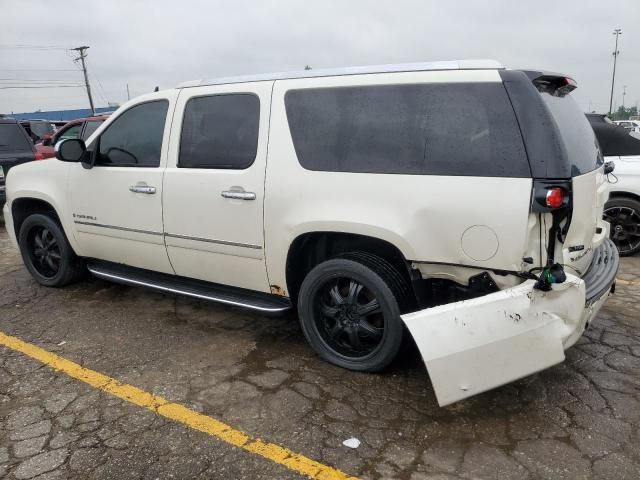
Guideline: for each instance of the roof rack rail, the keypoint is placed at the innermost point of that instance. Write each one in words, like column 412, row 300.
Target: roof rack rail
column 333, row 72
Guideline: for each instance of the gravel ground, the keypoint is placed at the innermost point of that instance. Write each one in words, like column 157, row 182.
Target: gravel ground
column 577, row 420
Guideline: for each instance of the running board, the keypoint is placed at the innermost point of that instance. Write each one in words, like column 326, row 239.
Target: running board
column 233, row 296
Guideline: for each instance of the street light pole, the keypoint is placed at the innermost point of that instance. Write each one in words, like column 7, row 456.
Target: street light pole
column 624, row 93
column 617, row 32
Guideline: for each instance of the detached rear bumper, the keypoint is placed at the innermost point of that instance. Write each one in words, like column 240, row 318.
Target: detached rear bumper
column 475, row 345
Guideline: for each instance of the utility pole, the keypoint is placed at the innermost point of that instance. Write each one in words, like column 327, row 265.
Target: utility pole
column 128, row 95
column 617, row 32
column 82, row 52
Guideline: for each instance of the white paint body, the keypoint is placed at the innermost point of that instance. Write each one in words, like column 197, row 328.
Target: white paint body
column 627, row 173
column 447, row 227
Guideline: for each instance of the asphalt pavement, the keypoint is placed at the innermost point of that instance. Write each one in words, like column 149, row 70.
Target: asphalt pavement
column 256, row 375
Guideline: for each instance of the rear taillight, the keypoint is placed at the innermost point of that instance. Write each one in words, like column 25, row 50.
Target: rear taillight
column 556, row 197
column 39, row 156
column 550, row 195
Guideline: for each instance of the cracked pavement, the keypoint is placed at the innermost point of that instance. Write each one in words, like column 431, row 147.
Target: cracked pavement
column 578, row 420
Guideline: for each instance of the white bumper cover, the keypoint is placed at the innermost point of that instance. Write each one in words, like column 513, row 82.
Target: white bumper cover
column 475, row 345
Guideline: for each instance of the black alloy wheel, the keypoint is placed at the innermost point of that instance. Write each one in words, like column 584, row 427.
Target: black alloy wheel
column 349, row 311
column 44, row 251
column 349, row 318
column 623, row 214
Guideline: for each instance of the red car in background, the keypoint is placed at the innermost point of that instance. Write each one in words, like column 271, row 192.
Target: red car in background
column 80, row 128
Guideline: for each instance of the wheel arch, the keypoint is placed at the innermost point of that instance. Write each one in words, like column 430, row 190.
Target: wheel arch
column 22, row 207
column 623, row 194
column 311, row 248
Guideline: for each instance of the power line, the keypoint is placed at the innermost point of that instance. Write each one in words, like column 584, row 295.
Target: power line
column 34, row 80
column 38, row 70
column 36, row 47
column 41, row 86
column 101, row 88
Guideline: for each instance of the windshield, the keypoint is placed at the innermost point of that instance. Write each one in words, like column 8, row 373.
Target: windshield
column 576, row 134
column 12, row 138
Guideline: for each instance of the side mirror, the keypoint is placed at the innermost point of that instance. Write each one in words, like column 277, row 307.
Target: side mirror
column 609, row 167
column 70, row 150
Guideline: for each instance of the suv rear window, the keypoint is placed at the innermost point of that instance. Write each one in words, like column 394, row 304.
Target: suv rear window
column 433, row 129
column 13, row 138
column 575, row 132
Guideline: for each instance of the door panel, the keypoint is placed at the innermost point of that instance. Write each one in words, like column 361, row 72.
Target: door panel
column 116, row 216
column 213, row 188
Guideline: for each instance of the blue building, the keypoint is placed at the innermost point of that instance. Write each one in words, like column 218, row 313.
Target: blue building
column 60, row 115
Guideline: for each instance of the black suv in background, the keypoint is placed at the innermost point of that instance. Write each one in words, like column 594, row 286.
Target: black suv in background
column 16, row 147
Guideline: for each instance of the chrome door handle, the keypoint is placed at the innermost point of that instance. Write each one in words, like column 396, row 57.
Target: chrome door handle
column 239, row 195
column 142, row 189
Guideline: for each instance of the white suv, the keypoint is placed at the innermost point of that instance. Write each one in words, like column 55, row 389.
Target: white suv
column 447, row 198
column 622, row 211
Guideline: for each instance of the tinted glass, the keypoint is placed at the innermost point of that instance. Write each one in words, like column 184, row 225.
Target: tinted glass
column 40, row 128
column 614, row 139
column 220, row 131
column 13, row 138
column 577, row 135
column 134, row 139
column 437, row 129
column 71, row 132
column 89, row 129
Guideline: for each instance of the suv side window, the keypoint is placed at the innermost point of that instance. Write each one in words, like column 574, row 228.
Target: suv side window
column 220, row 131
column 414, row 129
column 134, row 139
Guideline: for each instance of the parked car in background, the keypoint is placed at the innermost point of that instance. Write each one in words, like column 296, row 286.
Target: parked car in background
column 622, row 211
column 16, row 147
column 80, row 128
column 633, row 125
column 3, row 193
column 38, row 129
column 444, row 200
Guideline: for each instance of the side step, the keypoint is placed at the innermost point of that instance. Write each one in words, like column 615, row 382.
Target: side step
column 237, row 297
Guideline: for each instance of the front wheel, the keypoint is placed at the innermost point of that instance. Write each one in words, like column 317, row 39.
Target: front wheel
column 624, row 216
column 350, row 314
column 46, row 252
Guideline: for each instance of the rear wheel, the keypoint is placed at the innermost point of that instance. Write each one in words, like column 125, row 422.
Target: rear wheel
column 46, row 252
column 349, row 310
column 624, row 216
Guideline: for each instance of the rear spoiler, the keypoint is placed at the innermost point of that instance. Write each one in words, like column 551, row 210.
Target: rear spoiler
column 555, row 84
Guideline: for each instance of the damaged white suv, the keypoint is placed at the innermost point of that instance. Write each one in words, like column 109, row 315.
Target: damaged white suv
column 460, row 202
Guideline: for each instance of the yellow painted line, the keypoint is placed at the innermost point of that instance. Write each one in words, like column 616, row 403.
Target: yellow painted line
column 626, row 282
column 178, row 413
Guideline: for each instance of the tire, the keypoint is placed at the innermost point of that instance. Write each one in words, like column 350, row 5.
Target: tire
column 46, row 252
column 624, row 216
column 338, row 314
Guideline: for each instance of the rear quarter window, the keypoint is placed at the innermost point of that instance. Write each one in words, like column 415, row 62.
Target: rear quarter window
column 576, row 134
column 423, row 129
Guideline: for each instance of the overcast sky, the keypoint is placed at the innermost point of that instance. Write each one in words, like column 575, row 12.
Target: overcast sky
column 164, row 42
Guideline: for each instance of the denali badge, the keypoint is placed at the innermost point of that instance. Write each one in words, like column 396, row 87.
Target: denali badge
column 85, row 217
